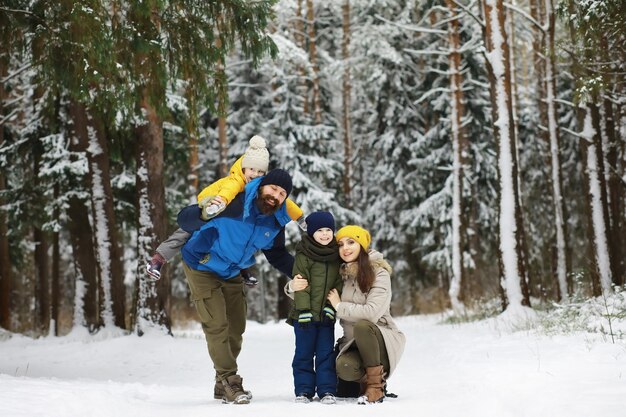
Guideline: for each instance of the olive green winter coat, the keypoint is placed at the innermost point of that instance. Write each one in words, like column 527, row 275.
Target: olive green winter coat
column 320, row 266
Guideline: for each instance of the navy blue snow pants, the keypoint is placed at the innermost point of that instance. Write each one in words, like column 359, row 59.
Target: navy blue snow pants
column 314, row 344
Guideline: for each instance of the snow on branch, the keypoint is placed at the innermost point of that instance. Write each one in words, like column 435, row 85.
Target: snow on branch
column 470, row 13
column 526, row 15
column 9, row 116
column 15, row 73
column 426, row 52
column 430, row 93
column 575, row 134
column 412, row 28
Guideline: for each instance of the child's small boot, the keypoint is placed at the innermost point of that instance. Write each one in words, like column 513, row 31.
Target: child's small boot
column 248, row 278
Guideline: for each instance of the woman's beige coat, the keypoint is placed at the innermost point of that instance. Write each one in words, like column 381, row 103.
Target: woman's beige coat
column 372, row 306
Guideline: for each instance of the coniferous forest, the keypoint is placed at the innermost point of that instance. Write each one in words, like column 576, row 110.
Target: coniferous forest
column 482, row 142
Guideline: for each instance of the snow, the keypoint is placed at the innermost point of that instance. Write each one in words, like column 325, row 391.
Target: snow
column 478, row 369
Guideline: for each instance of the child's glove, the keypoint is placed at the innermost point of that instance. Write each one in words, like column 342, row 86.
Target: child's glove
column 329, row 314
column 305, row 318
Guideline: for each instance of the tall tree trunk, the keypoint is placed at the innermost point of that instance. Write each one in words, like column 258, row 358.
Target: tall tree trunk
column 538, row 77
column 87, row 311
column 299, row 31
column 223, row 145
column 6, row 277
column 55, row 290
column 346, row 105
column 317, row 101
column 113, row 291
column 539, row 67
column 597, row 196
column 560, row 224
column 194, row 160
column 152, row 304
column 460, row 149
column 510, row 216
column 42, row 266
column 42, row 297
column 152, row 307
column 615, row 188
column 583, row 119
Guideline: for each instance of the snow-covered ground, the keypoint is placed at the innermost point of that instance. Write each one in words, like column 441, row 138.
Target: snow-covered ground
column 476, row 369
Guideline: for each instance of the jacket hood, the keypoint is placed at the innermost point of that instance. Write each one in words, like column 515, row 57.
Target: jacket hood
column 349, row 270
column 378, row 261
column 236, row 169
column 251, row 190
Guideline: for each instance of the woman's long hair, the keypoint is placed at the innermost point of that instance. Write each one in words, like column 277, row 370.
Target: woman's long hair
column 365, row 275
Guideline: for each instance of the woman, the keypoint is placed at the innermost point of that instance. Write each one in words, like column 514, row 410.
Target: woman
column 371, row 345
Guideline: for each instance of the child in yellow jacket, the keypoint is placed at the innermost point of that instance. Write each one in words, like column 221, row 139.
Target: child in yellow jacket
column 215, row 197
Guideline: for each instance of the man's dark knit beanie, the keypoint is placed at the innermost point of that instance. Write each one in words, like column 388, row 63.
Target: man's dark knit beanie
column 278, row 177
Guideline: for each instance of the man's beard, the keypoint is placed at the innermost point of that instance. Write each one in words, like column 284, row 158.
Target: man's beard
column 267, row 204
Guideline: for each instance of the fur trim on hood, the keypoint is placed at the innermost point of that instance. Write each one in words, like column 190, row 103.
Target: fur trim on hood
column 377, row 260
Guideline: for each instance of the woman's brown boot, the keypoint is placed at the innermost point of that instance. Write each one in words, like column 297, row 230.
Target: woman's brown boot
column 372, row 385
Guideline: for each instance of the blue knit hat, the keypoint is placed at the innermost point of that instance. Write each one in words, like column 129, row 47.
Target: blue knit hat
column 278, row 177
column 319, row 219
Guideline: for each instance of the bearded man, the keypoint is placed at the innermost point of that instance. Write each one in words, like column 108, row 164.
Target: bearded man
column 213, row 258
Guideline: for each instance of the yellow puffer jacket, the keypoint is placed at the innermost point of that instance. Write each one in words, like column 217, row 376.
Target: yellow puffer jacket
column 229, row 187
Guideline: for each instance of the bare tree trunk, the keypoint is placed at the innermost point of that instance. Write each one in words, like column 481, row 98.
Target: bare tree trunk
column 560, row 224
column 615, row 187
column 539, row 67
column 598, row 196
column 6, row 277
column 194, row 160
column 510, row 222
column 317, row 103
column 223, row 145
column 299, row 31
column 459, row 146
column 113, row 291
column 81, row 233
column 509, row 29
column 42, row 266
column 583, row 118
column 5, row 259
column 55, row 290
column 153, row 303
column 346, row 105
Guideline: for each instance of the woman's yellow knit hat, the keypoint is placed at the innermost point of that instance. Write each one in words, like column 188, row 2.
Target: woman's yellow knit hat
column 355, row 232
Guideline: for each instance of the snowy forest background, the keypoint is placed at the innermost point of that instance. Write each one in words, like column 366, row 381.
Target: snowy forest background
column 481, row 142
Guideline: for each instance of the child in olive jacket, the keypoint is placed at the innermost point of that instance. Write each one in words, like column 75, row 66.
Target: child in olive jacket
column 313, row 319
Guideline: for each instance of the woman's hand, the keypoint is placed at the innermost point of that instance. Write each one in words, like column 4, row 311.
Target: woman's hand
column 299, row 283
column 333, row 298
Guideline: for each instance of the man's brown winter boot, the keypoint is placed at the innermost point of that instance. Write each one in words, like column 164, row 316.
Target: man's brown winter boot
column 233, row 391
column 218, row 390
column 372, row 385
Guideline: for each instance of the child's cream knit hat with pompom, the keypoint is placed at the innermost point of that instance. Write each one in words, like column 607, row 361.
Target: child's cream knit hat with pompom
column 256, row 156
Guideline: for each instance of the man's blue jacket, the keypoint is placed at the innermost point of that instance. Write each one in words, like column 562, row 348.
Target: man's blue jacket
column 226, row 244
